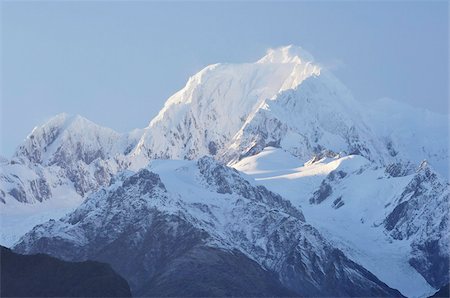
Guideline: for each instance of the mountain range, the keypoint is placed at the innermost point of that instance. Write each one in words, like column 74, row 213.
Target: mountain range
column 271, row 164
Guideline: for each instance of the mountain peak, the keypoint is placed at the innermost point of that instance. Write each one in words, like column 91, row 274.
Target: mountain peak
column 287, row 54
column 61, row 122
column 68, row 131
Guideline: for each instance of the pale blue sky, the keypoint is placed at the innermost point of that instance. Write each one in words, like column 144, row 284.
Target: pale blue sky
column 117, row 62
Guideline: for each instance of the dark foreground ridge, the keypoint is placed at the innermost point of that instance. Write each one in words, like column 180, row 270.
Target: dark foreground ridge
column 44, row 276
column 443, row 292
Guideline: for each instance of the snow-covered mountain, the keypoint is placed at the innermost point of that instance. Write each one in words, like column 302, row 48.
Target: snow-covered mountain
column 370, row 178
column 286, row 100
column 72, row 148
column 55, row 167
column 176, row 212
column 205, row 115
column 394, row 224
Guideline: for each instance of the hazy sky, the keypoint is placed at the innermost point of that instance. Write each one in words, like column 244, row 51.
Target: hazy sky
column 117, row 62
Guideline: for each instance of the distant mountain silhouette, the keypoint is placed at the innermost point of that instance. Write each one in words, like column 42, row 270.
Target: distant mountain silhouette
column 44, row 276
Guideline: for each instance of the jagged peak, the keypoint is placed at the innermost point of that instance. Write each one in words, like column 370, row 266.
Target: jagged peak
column 219, row 99
column 287, row 54
column 70, row 130
column 64, row 121
column 280, row 69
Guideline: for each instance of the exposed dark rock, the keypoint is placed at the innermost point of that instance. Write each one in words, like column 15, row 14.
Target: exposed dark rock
column 2, row 196
column 395, row 216
column 145, row 179
column 227, row 180
column 322, row 193
column 19, row 194
column 325, row 189
column 320, row 153
column 275, row 144
column 430, row 261
column 338, row 203
column 40, row 189
column 399, row 169
column 79, row 177
column 212, row 148
column 423, row 215
column 336, row 175
column 391, row 149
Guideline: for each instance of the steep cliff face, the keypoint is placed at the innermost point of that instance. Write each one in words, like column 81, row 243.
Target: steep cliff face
column 421, row 215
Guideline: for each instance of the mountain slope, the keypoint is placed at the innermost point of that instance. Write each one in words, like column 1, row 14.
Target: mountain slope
column 317, row 117
column 375, row 218
column 55, row 167
column 411, row 134
column 177, row 213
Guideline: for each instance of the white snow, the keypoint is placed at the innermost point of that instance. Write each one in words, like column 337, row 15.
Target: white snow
column 354, row 227
column 217, row 101
column 18, row 218
column 417, row 134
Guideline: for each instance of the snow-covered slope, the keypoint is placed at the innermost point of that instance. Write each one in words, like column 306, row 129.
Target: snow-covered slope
column 199, row 205
column 397, row 227
column 317, row 117
column 411, row 134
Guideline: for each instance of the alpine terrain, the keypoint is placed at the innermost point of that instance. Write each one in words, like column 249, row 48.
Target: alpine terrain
column 255, row 179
